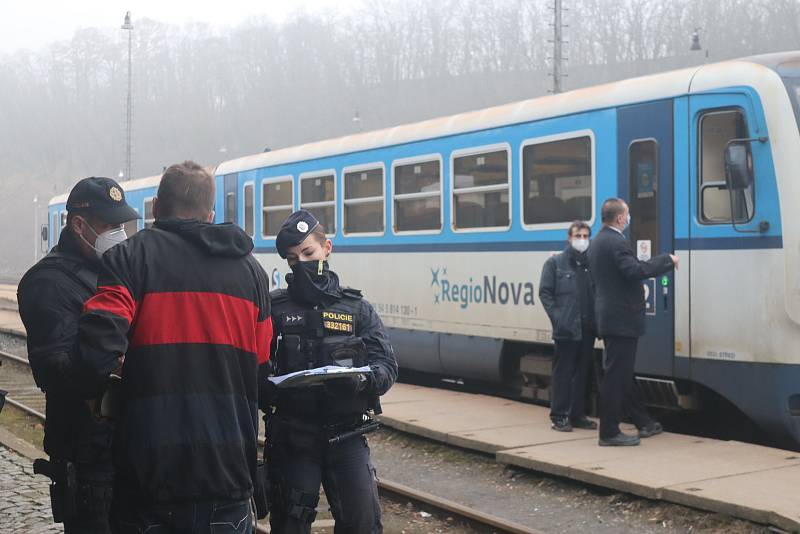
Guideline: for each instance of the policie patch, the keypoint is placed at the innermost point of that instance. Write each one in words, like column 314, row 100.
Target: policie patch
column 337, row 322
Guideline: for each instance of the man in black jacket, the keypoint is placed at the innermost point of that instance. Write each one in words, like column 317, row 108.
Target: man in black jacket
column 314, row 434
column 51, row 297
column 188, row 305
column 567, row 294
column 619, row 310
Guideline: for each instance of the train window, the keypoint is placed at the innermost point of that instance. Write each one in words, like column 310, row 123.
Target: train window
column 318, row 195
column 249, row 215
column 644, row 188
column 717, row 128
column 149, row 218
column 417, row 196
column 63, row 219
column 480, row 190
column 230, row 207
column 363, row 201
column 55, row 227
column 277, row 201
column 557, row 181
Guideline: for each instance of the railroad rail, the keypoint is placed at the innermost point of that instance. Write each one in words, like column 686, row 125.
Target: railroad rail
column 16, row 378
column 24, row 395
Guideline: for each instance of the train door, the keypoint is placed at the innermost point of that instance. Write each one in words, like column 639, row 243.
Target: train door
column 645, row 174
column 231, row 200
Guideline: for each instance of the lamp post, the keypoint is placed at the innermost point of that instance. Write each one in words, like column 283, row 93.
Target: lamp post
column 127, row 26
column 357, row 121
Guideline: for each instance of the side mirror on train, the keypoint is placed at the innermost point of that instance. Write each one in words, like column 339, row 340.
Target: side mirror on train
column 45, row 233
column 738, row 165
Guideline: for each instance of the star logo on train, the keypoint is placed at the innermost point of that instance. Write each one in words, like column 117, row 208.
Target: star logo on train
column 434, row 277
column 115, row 194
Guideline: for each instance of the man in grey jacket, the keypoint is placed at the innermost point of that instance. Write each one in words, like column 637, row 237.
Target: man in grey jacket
column 567, row 294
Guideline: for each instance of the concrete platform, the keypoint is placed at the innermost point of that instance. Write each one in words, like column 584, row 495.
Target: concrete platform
column 10, row 323
column 748, row 481
column 8, row 296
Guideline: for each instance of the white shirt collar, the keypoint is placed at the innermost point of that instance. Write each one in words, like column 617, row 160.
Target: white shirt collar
column 615, row 229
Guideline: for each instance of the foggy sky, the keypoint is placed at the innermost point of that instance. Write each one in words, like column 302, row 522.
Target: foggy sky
column 36, row 23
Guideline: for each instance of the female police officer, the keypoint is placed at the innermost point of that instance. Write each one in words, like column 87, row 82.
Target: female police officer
column 313, row 432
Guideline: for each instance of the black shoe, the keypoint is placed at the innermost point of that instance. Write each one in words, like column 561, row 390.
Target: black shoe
column 620, row 440
column 651, row 429
column 583, row 422
column 562, row 425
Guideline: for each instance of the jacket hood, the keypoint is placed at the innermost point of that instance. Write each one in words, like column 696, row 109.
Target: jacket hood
column 226, row 239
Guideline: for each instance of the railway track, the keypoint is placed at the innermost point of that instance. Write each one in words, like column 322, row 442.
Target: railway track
column 16, row 378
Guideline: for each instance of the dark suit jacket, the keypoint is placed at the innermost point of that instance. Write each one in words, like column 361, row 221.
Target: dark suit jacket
column 618, row 275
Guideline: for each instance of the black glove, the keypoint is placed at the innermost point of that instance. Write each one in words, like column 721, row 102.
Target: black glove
column 267, row 394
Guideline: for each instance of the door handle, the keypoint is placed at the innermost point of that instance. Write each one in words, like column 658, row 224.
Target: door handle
column 665, row 294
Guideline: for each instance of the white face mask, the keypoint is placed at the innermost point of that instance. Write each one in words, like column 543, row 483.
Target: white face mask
column 106, row 240
column 580, row 244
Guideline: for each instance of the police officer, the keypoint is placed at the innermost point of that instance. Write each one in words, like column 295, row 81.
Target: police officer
column 51, row 297
column 315, row 433
column 567, row 294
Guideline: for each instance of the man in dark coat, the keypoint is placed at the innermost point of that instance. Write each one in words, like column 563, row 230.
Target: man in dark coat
column 51, row 297
column 619, row 311
column 567, row 294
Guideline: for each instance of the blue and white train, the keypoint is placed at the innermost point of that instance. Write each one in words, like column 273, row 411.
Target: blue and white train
column 445, row 225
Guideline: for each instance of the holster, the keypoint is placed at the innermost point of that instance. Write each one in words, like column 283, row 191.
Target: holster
column 261, row 490
column 63, row 487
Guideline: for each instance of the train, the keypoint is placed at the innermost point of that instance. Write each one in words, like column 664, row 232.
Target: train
column 445, row 225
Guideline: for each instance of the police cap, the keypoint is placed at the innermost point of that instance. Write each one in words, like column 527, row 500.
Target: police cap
column 101, row 197
column 294, row 230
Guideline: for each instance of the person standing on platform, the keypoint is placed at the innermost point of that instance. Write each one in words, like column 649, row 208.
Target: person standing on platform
column 188, row 305
column 51, row 296
column 315, row 433
column 567, row 294
column 619, row 311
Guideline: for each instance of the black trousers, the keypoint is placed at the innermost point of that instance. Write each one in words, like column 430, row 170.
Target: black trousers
column 618, row 391
column 300, row 459
column 572, row 364
column 94, row 473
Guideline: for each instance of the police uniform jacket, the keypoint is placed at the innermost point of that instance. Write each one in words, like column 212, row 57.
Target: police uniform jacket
column 51, row 297
column 618, row 275
column 188, row 306
column 343, row 316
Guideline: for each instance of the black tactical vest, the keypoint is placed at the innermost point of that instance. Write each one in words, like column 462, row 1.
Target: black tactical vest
column 74, row 267
column 312, row 338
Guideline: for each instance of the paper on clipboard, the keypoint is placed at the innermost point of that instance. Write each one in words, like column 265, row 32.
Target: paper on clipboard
column 309, row 377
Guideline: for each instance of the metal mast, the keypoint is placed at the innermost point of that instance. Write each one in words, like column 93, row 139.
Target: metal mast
column 129, row 109
column 558, row 46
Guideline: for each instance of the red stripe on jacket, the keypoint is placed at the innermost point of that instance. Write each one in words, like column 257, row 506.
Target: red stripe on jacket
column 112, row 299
column 207, row 318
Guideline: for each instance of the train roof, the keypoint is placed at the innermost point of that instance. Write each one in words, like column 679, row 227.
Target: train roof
column 646, row 88
column 128, row 185
column 750, row 70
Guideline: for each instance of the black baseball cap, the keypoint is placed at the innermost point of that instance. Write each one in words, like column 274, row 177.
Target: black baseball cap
column 101, row 197
column 294, row 230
